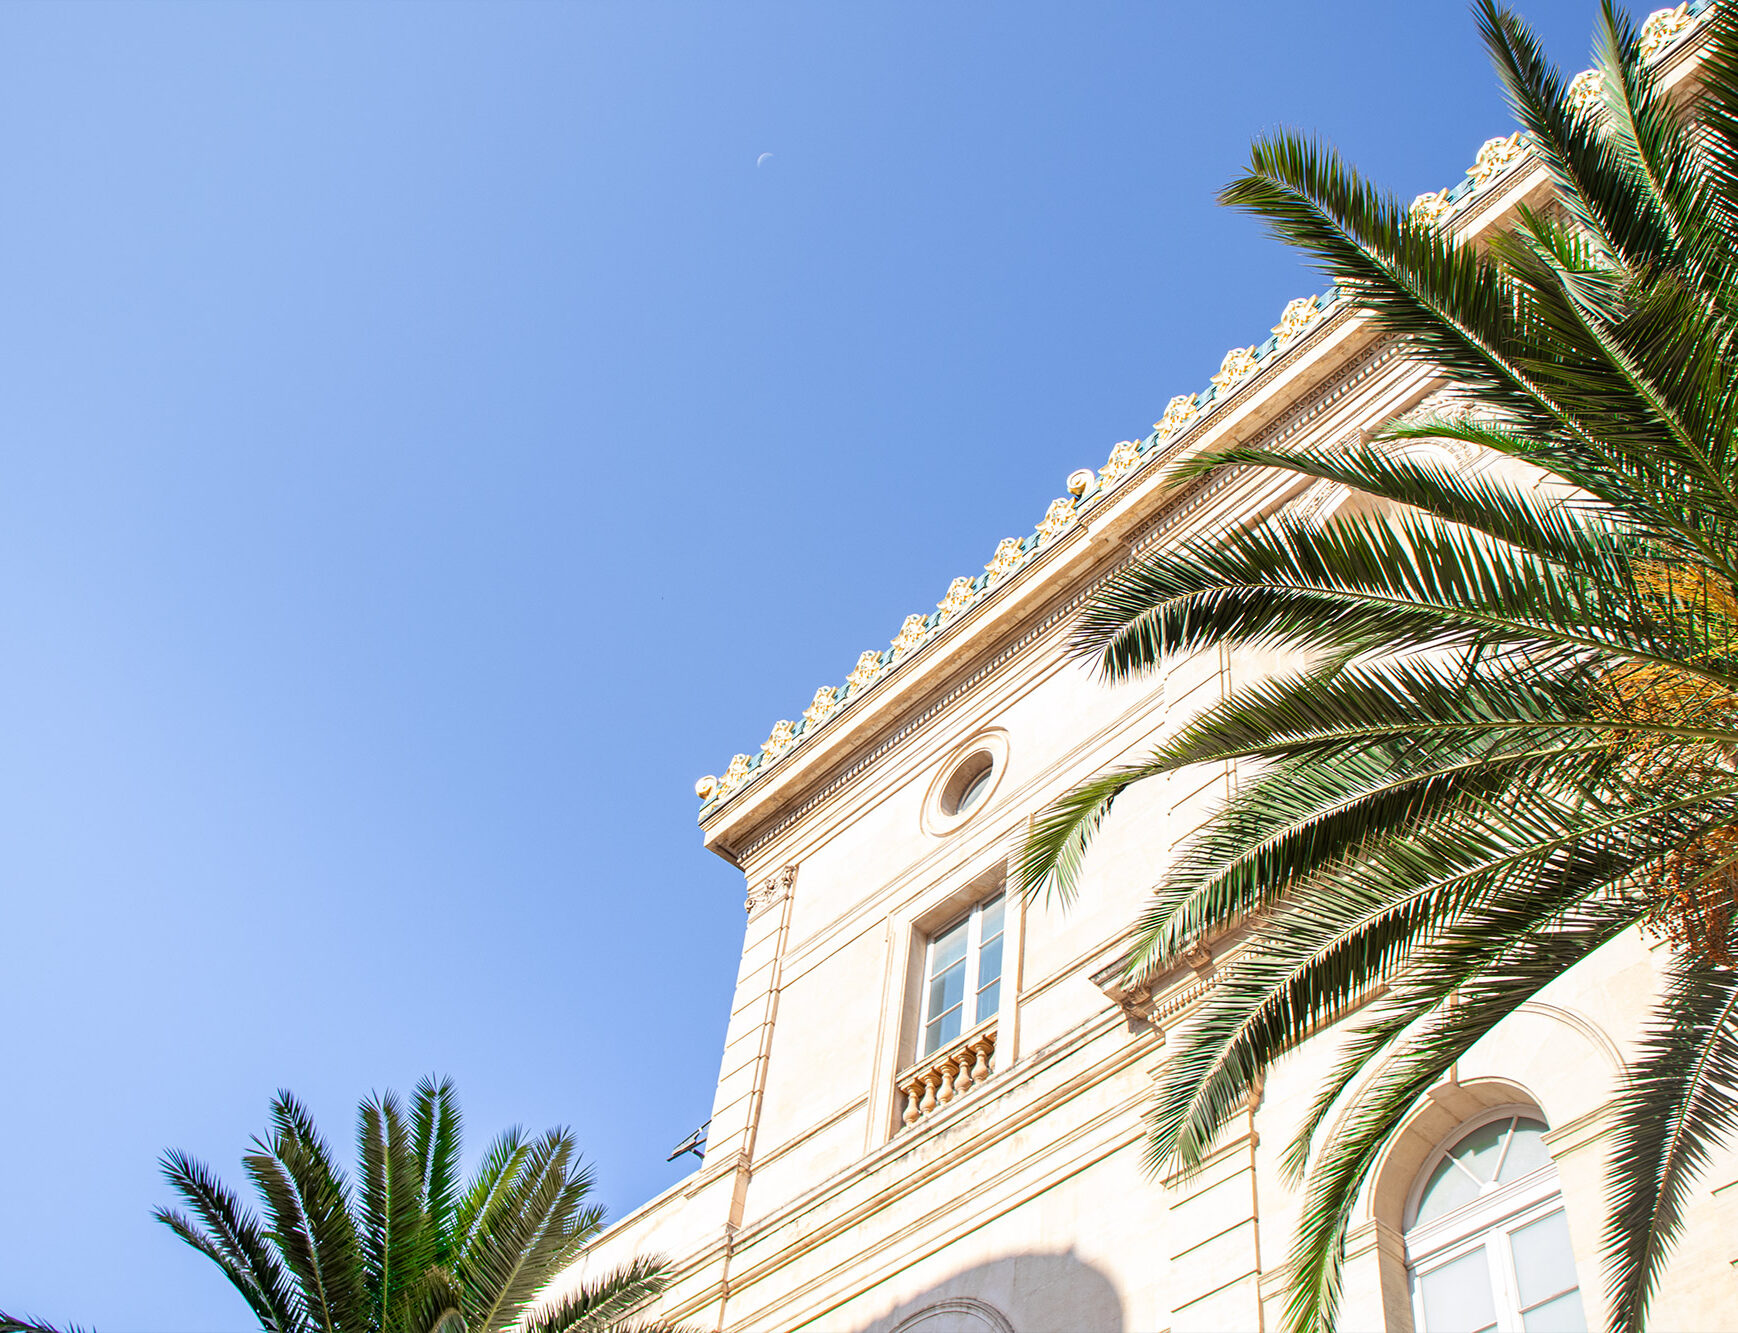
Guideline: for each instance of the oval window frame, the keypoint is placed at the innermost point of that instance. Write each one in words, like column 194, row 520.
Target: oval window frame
column 941, row 813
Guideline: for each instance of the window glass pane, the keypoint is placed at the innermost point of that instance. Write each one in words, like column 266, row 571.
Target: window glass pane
column 1479, row 1150
column 1457, row 1296
column 989, row 1000
column 942, row 1029
column 1562, row 1315
column 989, row 966
column 947, row 990
column 1544, row 1263
column 974, row 789
column 1448, row 1189
column 992, row 917
column 1526, row 1151
column 947, row 948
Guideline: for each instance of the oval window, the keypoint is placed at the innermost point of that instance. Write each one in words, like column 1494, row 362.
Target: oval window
column 968, row 784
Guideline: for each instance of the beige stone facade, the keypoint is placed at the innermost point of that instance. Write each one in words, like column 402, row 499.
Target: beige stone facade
column 998, row 1183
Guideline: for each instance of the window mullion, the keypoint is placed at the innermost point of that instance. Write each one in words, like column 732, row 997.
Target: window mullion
column 1509, row 1287
column 928, row 987
column 969, row 1004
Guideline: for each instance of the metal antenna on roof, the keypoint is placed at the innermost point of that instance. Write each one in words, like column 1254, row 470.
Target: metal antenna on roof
column 694, row 1143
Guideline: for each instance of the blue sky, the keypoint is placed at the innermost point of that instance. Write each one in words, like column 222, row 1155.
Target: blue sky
column 428, row 442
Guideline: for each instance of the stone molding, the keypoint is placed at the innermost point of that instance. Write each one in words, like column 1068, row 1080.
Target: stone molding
column 774, row 888
column 994, row 1321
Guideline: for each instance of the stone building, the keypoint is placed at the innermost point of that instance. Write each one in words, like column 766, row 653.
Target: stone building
column 928, row 1114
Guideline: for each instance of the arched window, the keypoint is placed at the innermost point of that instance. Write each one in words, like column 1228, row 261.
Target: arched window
column 1487, row 1240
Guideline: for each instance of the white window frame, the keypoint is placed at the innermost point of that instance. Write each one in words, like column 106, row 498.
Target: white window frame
column 1486, row 1223
column 974, row 919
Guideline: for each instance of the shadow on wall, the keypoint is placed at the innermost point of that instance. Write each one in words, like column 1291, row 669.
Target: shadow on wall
column 1024, row 1293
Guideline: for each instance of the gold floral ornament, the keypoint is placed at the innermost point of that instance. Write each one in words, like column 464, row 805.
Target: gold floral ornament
column 910, row 634
column 1496, row 157
column 959, row 597
column 1662, row 28
column 821, row 706
column 733, row 774
column 1057, row 519
column 1585, row 90
column 868, row 667
column 1179, row 412
column 1430, row 207
column 1297, row 316
column 780, row 742
column 1080, row 481
column 705, row 787
column 1238, row 363
column 1006, row 559
column 1121, row 462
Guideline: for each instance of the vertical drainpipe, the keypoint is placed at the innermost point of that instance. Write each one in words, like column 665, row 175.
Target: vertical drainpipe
column 782, row 886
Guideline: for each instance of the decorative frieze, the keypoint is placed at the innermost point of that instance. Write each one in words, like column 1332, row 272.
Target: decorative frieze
column 1430, row 207
column 778, row 743
column 910, row 634
column 863, row 674
column 1010, row 552
column 1586, row 89
column 1238, row 365
column 959, row 596
column 1663, row 26
column 1496, row 157
column 1179, row 412
column 1122, row 461
column 821, row 706
column 1296, row 318
column 948, row 1074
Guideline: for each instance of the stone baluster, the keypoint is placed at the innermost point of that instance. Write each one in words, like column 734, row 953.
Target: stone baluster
column 963, row 1082
column 983, row 1048
column 947, row 1069
column 913, row 1093
column 946, row 1076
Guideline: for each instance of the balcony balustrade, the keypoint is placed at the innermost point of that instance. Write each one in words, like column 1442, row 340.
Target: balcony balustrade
column 949, row 1073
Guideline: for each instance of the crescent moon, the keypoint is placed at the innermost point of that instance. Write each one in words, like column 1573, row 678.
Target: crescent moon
column 761, row 160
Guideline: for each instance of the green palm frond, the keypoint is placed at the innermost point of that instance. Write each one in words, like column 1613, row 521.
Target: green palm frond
column 1400, row 583
column 1362, row 922
column 1680, row 1101
column 308, row 1203
column 601, row 1304
column 1362, row 1132
column 231, row 1236
column 533, row 1226
column 398, row 1245
column 23, row 1324
column 1506, row 733
column 438, row 1132
column 411, row 1248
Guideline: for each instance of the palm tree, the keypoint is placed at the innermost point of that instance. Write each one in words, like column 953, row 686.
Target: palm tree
column 1515, row 732
column 410, row 1247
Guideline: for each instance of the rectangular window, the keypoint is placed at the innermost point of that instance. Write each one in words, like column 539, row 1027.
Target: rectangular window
column 962, row 974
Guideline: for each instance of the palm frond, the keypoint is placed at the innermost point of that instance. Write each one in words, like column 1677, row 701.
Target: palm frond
column 599, row 1306
column 231, row 1236
column 1679, row 1102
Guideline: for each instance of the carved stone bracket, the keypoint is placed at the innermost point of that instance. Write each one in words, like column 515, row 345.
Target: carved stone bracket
column 775, row 888
column 1198, row 956
column 1134, row 998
